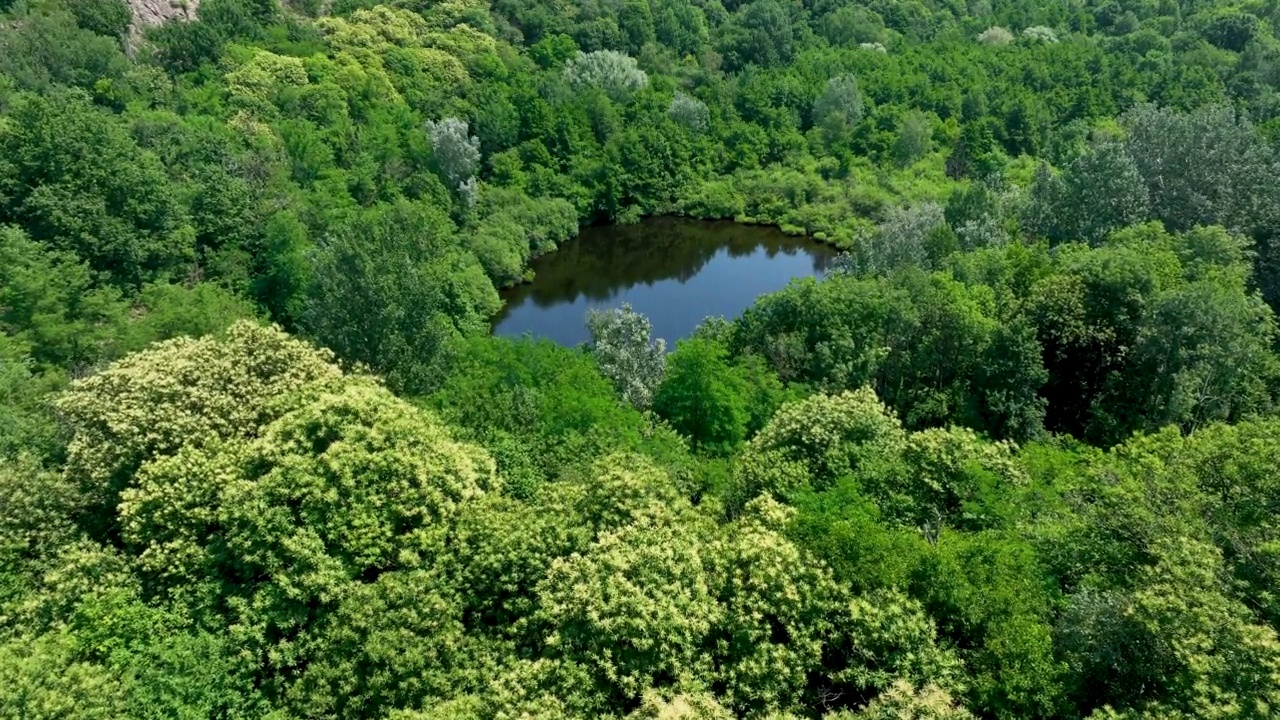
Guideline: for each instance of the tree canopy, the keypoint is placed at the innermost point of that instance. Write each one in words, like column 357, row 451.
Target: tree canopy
column 1014, row 456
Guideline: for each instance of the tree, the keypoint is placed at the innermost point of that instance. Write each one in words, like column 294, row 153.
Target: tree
column 181, row 392
column 1010, row 377
column 636, row 608
column 621, row 343
column 904, row 701
column 902, row 240
column 915, row 135
column 636, row 22
column 108, row 17
column 49, row 303
column 689, row 112
column 1106, row 181
column 995, row 35
column 1206, row 167
column 611, row 72
column 853, row 25
column 390, row 289
column 300, row 528
column 77, row 181
column 1040, row 33
column 703, row 397
column 457, row 155
column 840, row 97
column 26, row 425
column 538, row 407
column 680, row 25
column 760, row 33
column 832, row 437
column 39, row 50
column 1178, row 612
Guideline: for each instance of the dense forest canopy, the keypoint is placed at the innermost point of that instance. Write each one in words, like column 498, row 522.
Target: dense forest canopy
column 1016, row 457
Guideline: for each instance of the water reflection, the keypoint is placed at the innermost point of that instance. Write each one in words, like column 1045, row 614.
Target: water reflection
column 674, row 270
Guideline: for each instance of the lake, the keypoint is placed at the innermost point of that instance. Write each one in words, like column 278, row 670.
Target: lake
column 675, row 270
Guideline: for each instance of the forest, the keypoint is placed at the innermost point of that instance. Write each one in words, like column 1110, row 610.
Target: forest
column 1016, row 456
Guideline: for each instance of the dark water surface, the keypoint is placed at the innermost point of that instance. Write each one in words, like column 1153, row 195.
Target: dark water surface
column 676, row 271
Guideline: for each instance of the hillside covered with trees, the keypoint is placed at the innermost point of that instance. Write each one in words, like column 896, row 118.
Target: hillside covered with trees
column 1018, row 456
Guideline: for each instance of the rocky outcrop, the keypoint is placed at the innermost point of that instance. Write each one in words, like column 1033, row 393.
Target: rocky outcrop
column 154, row 12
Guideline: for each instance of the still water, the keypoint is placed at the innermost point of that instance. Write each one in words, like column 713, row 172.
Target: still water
column 676, row 271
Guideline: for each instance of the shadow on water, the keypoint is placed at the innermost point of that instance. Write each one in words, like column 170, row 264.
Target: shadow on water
column 676, row 271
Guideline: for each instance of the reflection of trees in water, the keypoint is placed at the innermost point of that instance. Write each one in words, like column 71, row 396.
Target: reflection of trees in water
column 604, row 261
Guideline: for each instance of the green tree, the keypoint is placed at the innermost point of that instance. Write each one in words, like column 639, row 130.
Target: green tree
column 1106, row 182
column 39, row 50
column 76, row 181
column 703, row 397
column 613, row 73
column 760, row 33
column 389, row 289
column 181, row 392
column 108, row 17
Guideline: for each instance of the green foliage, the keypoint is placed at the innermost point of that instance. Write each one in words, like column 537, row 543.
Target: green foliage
column 388, row 290
column 536, row 406
column 707, row 400
column 107, row 17
column 610, row 72
column 824, row 515
column 79, row 183
column 40, row 50
column 181, row 392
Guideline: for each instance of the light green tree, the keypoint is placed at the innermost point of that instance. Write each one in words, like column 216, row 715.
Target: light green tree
column 623, row 345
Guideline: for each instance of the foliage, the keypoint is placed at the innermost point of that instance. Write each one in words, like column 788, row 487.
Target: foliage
column 995, row 35
column 457, row 153
column 1015, row 456
column 388, row 290
column 711, row 402
column 690, row 112
column 622, row 344
column 609, row 71
column 181, row 392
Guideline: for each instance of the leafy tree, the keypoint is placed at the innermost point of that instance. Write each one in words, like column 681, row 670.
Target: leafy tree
column 760, row 33
column 902, row 240
column 621, row 342
column 389, row 290
column 1179, row 610
column 830, row 437
column 636, row 607
column 853, row 25
column 457, row 154
column 108, row 17
column 536, row 406
column 914, row 139
column 181, row 392
column 690, row 112
column 636, row 22
column 76, row 181
column 840, row 97
column 1205, row 167
column 1106, row 181
column 39, row 50
column 703, row 397
column 321, row 525
column 613, row 73
column 49, row 303
column 26, row 424
column 995, row 35
column 1040, row 33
